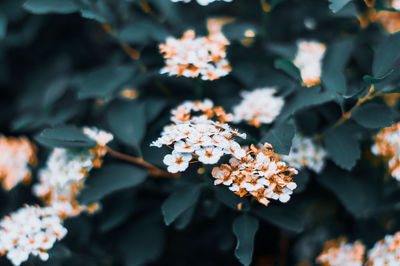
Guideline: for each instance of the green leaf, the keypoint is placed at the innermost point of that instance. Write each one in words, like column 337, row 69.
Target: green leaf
column 337, row 5
column 280, row 137
column 288, row 67
column 51, row 6
column 337, row 55
column 102, row 82
column 127, row 120
column 142, row 32
column 245, row 228
column 109, row 179
column 281, row 216
column 143, row 242
column 386, row 55
column 373, row 115
column 304, row 97
column 230, row 199
column 348, row 189
column 3, row 25
column 179, row 202
column 343, row 148
column 183, row 220
column 65, row 136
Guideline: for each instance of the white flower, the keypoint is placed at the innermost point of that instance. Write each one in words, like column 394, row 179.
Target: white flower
column 340, row 253
column 306, row 152
column 182, row 146
column 209, row 155
column 386, row 251
column 62, row 179
column 15, row 156
column 100, row 136
column 30, row 230
column 196, row 57
column 309, row 60
column 259, row 106
column 177, row 162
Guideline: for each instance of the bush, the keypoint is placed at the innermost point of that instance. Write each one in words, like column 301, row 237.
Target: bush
column 159, row 132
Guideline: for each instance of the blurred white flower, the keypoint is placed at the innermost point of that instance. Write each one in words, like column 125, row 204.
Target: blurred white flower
column 385, row 252
column 306, row 152
column 259, row 106
column 15, row 156
column 309, row 60
column 387, row 144
column 340, row 253
column 30, row 230
column 196, row 57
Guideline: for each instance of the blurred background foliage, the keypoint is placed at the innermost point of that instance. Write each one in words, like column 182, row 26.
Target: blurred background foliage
column 96, row 63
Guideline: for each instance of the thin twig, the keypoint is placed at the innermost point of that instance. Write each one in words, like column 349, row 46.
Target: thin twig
column 154, row 171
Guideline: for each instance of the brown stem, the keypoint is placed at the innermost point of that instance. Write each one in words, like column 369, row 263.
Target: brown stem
column 154, row 171
column 347, row 115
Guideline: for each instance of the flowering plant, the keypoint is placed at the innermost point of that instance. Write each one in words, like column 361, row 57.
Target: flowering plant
column 200, row 132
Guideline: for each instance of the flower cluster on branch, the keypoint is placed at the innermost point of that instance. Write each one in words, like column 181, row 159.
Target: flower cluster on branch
column 259, row 173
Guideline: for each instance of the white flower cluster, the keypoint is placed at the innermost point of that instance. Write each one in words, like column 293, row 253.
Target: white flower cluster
column 65, row 173
column 30, row 230
column 15, row 155
column 340, row 253
column 309, row 60
column 260, row 173
column 385, row 252
column 387, row 144
column 201, row 2
column 305, row 152
column 259, row 106
column 61, row 179
column 198, row 137
column 193, row 57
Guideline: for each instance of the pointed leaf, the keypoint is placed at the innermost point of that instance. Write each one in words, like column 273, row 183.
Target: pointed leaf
column 109, row 179
column 280, row 137
column 179, row 202
column 127, row 120
column 51, row 6
column 373, row 115
column 386, row 55
column 65, row 136
column 245, row 228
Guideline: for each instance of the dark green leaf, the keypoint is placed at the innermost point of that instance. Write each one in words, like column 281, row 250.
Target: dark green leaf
column 337, row 5
column 143, row 31
column 128, row 121
column 337, row 55
column 183, row 220
column 348, row 189
column 179, row 202
column 281, row 216
column 343, row 148
column 288, row 67
column 102, row 82
column 386, row 55
column 143, row 242
column 373, row 115
column 245, row 228
column 3, row 25
column 280, row 137
column 65, row 136
column 51, row 6
column 304, row 97
column 111, row 178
